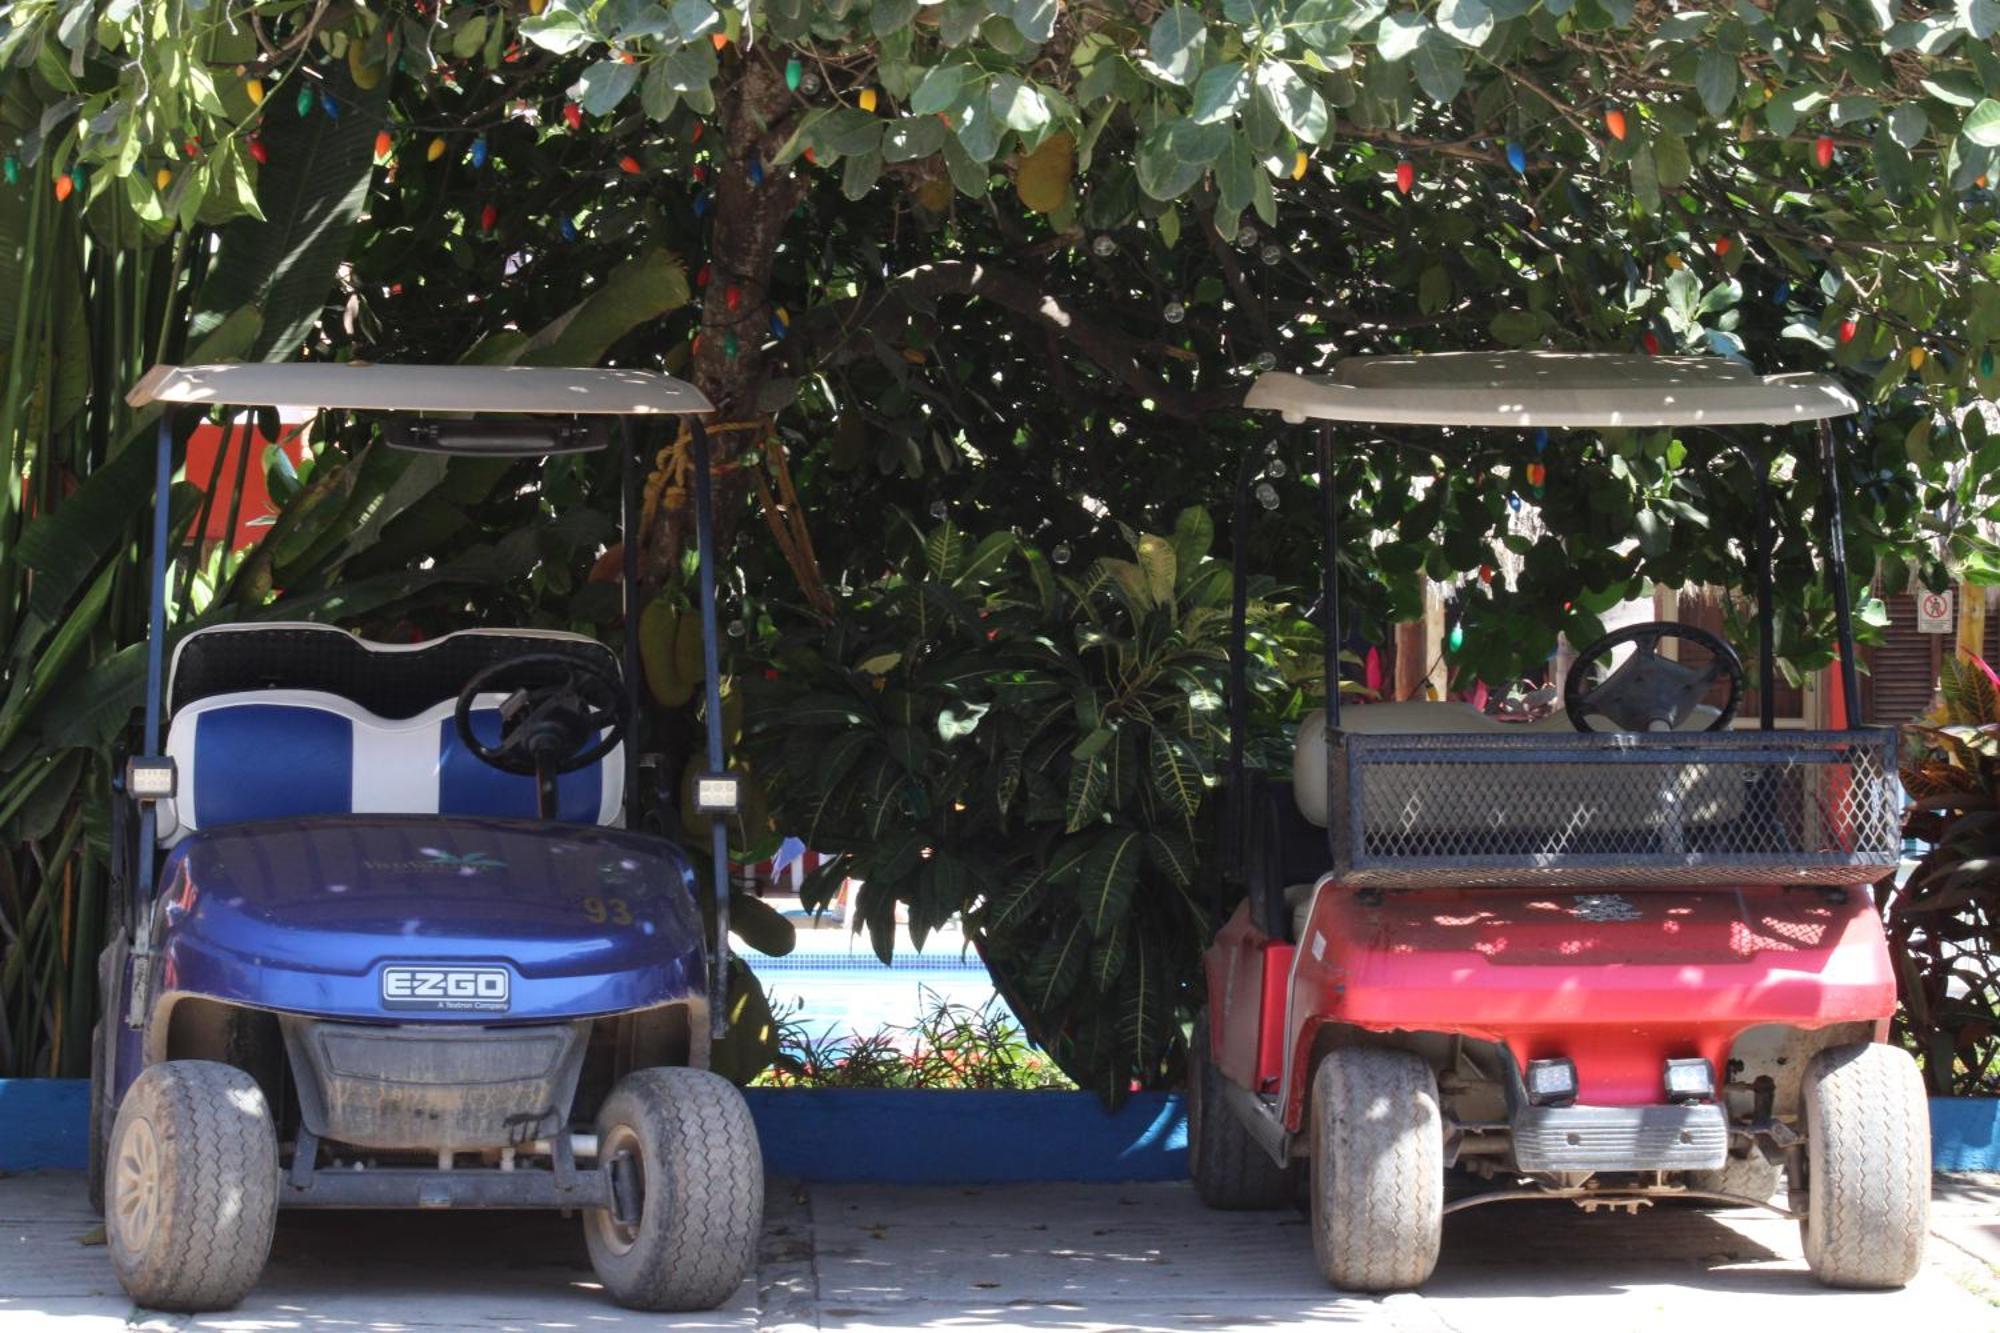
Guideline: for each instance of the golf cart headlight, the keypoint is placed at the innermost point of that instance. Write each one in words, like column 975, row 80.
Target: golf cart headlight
column 1689, row 1081
column 154, row 779
column 716, row 793
column 1551, row 1082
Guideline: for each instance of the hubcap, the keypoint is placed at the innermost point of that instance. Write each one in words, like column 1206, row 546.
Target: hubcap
column 135, row 1188
column 621, row 1144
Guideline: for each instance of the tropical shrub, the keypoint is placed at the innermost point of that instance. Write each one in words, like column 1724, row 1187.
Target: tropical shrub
column 1944, row 923
column 949, row 1046
column 984, row 732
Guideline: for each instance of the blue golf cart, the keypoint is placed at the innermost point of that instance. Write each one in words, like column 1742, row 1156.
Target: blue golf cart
column 388, row 934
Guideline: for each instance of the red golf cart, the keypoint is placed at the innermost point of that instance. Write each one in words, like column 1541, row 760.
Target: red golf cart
column 1622, row 955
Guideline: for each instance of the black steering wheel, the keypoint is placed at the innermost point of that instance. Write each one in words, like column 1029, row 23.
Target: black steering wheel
column 554, row 706
column 1650, row 692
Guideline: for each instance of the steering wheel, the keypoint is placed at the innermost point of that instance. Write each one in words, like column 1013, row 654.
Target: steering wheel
column 1650, row 692
column 555, row 705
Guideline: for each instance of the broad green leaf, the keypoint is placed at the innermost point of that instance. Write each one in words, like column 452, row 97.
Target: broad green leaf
column 912, row 137
column 1982, row 124
column 1175, row 44
column 1218, row 93
column 1194, row 533
column 1019, row 104
column 1399, row 34
column 1297, row 106
column 1908, row 125
column 1440, row 70
column 1468, row 21
column 1107, row 878
column 1715, row 81
column 1176, row 776
column 604, row 85
column 1089, row 784
column 1176, row 155
column 1053, row 974
column 943, row 88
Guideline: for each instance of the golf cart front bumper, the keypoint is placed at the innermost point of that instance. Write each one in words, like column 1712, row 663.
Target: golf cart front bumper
column 1620, row 1138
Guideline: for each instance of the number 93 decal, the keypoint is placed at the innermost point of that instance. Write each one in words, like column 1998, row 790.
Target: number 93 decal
column 612, row 911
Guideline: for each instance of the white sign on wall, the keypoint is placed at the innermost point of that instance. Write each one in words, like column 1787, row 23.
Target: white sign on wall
column 1934, row 613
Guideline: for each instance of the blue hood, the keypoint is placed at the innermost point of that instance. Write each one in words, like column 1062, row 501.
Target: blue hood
column 302, row 916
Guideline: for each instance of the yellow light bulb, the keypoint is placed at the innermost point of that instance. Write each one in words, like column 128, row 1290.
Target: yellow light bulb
column 436, row 149
column 867, row 99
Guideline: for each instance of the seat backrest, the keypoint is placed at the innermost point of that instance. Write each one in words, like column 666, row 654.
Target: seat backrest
column 392, row 680
column 285, row 754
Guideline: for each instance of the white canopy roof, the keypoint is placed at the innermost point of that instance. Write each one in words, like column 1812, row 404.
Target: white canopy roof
column 1549, row 389
column 361, row 386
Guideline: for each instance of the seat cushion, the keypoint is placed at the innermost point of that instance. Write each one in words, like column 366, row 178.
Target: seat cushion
column 286, row 754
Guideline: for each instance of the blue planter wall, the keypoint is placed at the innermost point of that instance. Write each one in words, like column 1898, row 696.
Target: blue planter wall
column 922, row 1138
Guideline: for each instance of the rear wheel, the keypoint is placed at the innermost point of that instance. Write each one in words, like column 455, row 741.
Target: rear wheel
column 1377, row 1169
column 1867, row 1166
column 688, row 1149
column 1231, row 1170
column 191, row 1186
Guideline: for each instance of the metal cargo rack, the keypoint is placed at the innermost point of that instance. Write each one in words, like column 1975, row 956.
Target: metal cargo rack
column 1723, row 807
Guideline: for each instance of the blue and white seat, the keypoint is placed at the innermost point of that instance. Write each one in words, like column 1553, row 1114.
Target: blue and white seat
column 281, row 721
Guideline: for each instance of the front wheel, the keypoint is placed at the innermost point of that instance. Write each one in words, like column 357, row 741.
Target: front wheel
column 1230, row 1169
column 191, row 1186
column 683, row 1142
column 1377, row 1169
column 1867, row 1166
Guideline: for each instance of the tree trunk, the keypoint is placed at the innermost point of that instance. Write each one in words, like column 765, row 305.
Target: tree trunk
column 747, row 221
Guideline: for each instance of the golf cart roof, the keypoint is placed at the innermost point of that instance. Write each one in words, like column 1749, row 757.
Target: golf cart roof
column 1529, row 389
column 361, row 386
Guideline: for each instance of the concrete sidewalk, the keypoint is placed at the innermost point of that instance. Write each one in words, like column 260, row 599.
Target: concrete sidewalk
column 1069, row 1257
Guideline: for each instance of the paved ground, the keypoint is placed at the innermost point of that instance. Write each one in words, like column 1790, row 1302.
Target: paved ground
column 1144, row 1258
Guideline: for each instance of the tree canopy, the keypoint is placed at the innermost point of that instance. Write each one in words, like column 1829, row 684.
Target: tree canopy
column 1005, row 265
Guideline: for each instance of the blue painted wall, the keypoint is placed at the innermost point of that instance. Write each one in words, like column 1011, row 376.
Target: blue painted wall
column 921, row 1138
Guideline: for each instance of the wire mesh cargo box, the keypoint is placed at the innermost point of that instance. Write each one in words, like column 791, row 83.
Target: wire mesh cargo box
column 1727, row 807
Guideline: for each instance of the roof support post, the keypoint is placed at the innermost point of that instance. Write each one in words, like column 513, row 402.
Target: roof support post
column 631, row 438
column 156, row 647
column 1836, row 574
column 1330, row 573
column 1767, row 703
column 718, row 833
column 1237, row 815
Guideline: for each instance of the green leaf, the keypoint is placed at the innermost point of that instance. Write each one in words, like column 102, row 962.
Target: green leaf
column 891, row 16
column 1399, row 35
column 1297, row 106
column 1908, row 125
column 1106, row 881
column 604, row 85
column 1176, row 155
column 1057, row 967
column 1176, row 776
column 944, row 551
column 1107, row 960
column 943, row 88
column 1219, row 91
column 1173, row 856
column 1715, row 81
column 1440, row 70
column 312, row 191
column 1982, row 124
column 1089, row 784
column 1194, row 533
column 1019, row 104
column 1468, row 21
column 1176, row 43
column 912, row 137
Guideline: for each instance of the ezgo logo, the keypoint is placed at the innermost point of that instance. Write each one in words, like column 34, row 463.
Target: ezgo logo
column 425, row 987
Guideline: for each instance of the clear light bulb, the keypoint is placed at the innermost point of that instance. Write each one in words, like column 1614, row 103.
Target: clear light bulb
column 1276, row 468
column 1271, row 254
column 809, row 83
column 1266, row 360
column 1267, row 495
column 1246, row 236
column 1061, row 553
column 1103, row 246
column 736, row 629
column 1174, row 312
column 939, row 509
